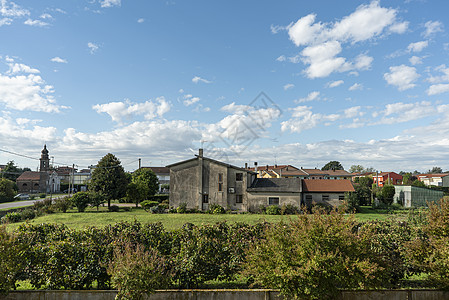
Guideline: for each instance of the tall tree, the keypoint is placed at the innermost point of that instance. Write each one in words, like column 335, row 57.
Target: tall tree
column 435, row 170
column 109, row 178
column 6, row 190
column 12, row 172
column 146, row 183
column 332, row 165
column 356, row 169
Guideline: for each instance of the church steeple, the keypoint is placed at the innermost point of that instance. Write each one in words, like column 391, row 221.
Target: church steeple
column 45, row 160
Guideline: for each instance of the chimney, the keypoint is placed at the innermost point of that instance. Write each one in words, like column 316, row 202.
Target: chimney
column 200, row 153
column 255, row 166
column 267, row 167
column 246, row 165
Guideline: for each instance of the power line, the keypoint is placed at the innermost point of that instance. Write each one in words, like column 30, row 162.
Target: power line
column 22, row 155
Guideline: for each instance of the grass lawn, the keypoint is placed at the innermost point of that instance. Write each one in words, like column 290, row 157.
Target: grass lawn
column 92, row 217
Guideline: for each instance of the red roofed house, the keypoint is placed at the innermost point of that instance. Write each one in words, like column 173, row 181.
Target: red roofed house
column 441, row 179
column 382, row 178
column 326, row 191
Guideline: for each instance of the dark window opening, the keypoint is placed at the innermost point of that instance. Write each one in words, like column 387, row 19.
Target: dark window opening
column 205, row 198
column 341, row 197
column 239, row 177
column 325, row 198
column 238, row 198
column 273, row 201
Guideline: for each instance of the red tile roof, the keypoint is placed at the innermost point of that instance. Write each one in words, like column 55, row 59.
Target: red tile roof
column 29, row 175
column 327, row 185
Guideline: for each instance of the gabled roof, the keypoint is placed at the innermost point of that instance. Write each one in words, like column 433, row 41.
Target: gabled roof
column 159, row 170
column 382, row 174
column 211, row 160
column 29, row 175
column 327, row 185
column 280, row 185
column 433, row 175
column 326, row 172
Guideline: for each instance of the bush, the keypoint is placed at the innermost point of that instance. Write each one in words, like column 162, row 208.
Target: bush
column 182, row 208
column 27, row 214
column 114, row 208
column 147, row 204
column 273, row 210
column 135, row 271
column 42, row 195
column 95, row 199
column 159, row 198
column 12, row 258
column 62, row 204
column 158, row 209
column 6, row 190
column 216, row 209
column 32, row 197
column 12, row 217
column 289, row 209
column 81, row 200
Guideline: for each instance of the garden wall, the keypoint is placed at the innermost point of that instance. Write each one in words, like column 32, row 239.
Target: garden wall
column 223, row 295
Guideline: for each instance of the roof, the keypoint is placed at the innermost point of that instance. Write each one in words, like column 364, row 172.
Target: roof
column 159, row 170
column 382, row 174
column 327, row 185
column 212, row 160
column 326, row 172
column 433, row 175
column 280, row 185
column 29, row 175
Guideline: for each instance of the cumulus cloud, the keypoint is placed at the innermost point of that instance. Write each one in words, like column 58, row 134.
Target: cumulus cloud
column 92, row 47
column 442, row 78
column 288, row 86
column 303, row 119
column 5, row 21
column 59, row 60
column 127, row 109
column 418, row 46
column 110, row 3
column 432, row 27
column 356, row 86
column 190, row 100
column 333, row 84
column 312, row 96
column 415, row 60
column 322, row 41
column 281, row 58
column 436, row 89
column 404, row 112
column 353, row 112
column 37, row 23
column 197, row 79
column 11, row 10
column 403, row 77
column 22, row 89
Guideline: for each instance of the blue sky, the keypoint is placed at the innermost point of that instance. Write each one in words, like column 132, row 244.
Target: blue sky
column 297, row 82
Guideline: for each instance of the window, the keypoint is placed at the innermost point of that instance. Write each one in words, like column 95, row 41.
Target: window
column 325, row 198
column 238, row 176
column 341, row 197
column 205, row 198
column 273, row 201
column 309, row 198
column 238, row 198
column 220, row 182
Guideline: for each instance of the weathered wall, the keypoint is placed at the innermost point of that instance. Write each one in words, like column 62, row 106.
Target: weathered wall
column 256, row 199
column 224, row 295
column 318, row 198
column 184, row 185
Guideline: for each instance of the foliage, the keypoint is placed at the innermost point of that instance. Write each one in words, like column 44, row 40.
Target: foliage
column 81, row 200
column 312, row 258
column 159, row 198
column 11, row 259
column 418, row 183
column 387, row 194
column 332, row 165
column 356, row 169
column 273, row 210
column 109, row 179
column 182, row 208
column 289, row 209
column 12, row 172
column 135, row 271
column 132, row 194
column 6, row 190
column 114, row 208
column 43, row 206
column 352, row 201
column 95, row 199
column 42, row 195
column 363, row 193
column 147, row 204
column 216, row 209
column 435, row 170
column 146, row 183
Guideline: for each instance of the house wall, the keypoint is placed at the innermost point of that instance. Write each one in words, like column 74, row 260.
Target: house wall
column 184, row 185
column 318, row 198
column 257, row 199
column 411, row 196
column 28, row 186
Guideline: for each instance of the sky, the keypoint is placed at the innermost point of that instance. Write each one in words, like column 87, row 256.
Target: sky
column 292, row 82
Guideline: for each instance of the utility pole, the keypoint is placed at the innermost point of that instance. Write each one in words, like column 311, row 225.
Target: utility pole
column 140, row 161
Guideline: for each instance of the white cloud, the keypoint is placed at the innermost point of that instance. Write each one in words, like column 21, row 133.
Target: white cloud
column 403, row 77
column 191, row 100
column 37, row 23
column 281, row 58
column 59, row 60
column 126, row 110
column 333, row 84
column 236, row 108
column 399, row 27
column 110, row 3
column 46, row 16
column 288, row 86
column 5, row 21
column 432, row 27
column 415, row 60
column 436, row 89
column 404, row 112
column 21, row 89
column 442, row 78
column 141, row 20
column 356, row 86
column 197, row 79
column 353, row 112
column 418, row 46
column 303, row 119
column 92, row 47
column 12, row 10
column 312, row 96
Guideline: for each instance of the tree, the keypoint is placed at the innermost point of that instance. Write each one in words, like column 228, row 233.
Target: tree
column 6, row 190
column 12, row 172
column 435, row 170
column 418, row 183
column 81, row 200
column 332, row 165
column 356, row 169
column 146, row 183
column 109, row 178
column 387, row 194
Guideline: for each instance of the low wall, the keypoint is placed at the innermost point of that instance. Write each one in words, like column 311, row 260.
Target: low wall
column 223, row 295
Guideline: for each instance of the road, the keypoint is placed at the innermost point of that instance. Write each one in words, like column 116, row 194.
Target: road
column 20, row 203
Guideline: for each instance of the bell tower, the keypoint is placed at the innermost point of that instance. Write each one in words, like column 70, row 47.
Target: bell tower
column 45, row 160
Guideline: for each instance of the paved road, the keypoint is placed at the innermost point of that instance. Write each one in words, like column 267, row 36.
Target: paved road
column 20, row 203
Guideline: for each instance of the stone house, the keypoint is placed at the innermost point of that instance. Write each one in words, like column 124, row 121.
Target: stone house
column 325, row 191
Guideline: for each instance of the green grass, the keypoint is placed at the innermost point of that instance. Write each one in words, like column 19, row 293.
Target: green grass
column 17, row 207
column 101, row 218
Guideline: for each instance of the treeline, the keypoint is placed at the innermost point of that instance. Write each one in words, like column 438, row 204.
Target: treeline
column 312, row 257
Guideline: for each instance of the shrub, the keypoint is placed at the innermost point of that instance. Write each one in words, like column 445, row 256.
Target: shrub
column 27, row 214
column 313, row 257
column 81, row 200
column 352, row 201
column 216, row 209
column 273, row 210
column 32, row 197
column 12, row 254
column 182, row 208
column 114, row 208
column 289, row 209
column 159, row 198
column 135, row 271
column 62, row 204
column 6, row 190
column 95, row 199
column 158, row 209
column 12, row 217
column 147, row 204
column 42, row 195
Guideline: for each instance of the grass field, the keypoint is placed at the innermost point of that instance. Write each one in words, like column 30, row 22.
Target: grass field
column 101, row 218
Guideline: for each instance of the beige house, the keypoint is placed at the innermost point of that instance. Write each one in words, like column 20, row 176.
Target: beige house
column 274, row 191
column 325, row 191
column 441, row 179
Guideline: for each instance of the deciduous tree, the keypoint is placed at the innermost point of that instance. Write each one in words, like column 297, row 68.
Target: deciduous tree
column 333, row 165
